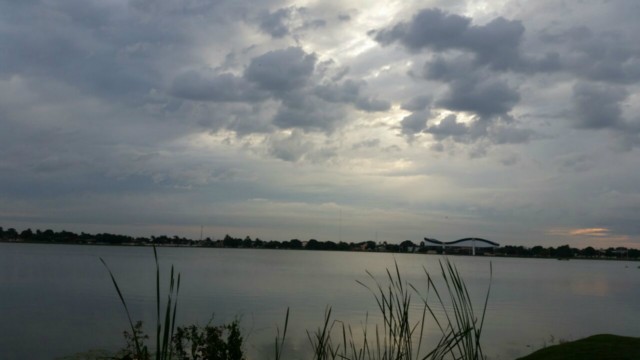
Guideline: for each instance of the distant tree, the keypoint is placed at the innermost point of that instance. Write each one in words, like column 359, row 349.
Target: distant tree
column 26, row 234
column 11, row 234
column 228, row 241
column 393, row 247
column 330, row 245
column 247, row 243
column 273, row 244
column 295, row 244
column 538, row 251
column 258, row 243
column 313, row 244
column 610, row 252
column 589, row 252
column 371, row 245
column 406, row 245
column 564, row 252
column 343, row 246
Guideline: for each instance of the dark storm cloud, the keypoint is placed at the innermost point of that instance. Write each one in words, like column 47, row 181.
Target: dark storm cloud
column 414, row 123
column 486, row 97
column 449, row 127
column 495, row 44
column 281, row 71
column 429, row 28
column 598, row 106
column 207, row 85
column 471, row 89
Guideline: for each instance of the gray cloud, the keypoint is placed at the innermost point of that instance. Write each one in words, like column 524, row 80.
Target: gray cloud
column 495, row 44
column 417, row 103
column 414, row 123
column 450, row 127
column 286, row 21
column 486, row 97
column 370, row 104
column 296, row 147
column 309, row 113
column 429, row 28
column 612, row 57
column 471, row 89
column 500, row 134
column 281, row 70
column 597, row 106
column 207, row 85
column 369, row 143
column 349, row 91
column 274, row 23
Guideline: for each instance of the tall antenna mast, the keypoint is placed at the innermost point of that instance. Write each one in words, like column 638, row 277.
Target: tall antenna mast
column 340, row 227
column 201, row 231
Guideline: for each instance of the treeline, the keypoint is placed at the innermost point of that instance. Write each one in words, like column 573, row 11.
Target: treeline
column 407, row 246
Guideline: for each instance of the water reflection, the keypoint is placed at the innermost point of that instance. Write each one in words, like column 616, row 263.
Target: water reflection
column 60, row 297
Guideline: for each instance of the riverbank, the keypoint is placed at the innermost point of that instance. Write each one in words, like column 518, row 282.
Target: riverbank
column 596, row 347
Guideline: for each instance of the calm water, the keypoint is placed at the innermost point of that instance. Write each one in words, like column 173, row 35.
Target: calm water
column 57, row 300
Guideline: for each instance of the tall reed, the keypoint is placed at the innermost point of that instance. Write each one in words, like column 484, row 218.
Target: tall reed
column 164, row 330
column 400, row 337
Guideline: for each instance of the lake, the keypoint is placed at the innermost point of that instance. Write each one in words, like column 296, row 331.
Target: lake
column 58, row 300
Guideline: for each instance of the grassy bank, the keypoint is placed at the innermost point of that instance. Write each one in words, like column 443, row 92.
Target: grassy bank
column 596, row 347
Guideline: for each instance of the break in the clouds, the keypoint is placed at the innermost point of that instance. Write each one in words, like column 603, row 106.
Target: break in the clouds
column 516, row 122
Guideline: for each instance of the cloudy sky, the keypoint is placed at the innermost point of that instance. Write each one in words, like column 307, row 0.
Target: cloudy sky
column 516, row 121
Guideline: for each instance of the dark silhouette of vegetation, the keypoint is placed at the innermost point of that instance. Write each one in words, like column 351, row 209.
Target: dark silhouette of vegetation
column 406, row 246
column 398, row 338
column 596, row 347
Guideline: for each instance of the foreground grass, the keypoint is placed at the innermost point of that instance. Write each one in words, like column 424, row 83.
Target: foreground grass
column 596, row 347
column 399, row 337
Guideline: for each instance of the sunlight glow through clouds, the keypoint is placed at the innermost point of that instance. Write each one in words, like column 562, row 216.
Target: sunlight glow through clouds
column 597, row 232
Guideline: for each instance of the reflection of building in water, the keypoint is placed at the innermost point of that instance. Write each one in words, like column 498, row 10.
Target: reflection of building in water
column 463, row 245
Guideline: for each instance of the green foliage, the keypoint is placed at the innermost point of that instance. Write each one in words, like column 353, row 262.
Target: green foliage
column 222, row 342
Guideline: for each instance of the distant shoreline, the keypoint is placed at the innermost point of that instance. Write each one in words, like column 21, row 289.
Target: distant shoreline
column 199, row 246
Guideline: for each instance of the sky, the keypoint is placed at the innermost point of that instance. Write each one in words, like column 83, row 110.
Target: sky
column 515, row 121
